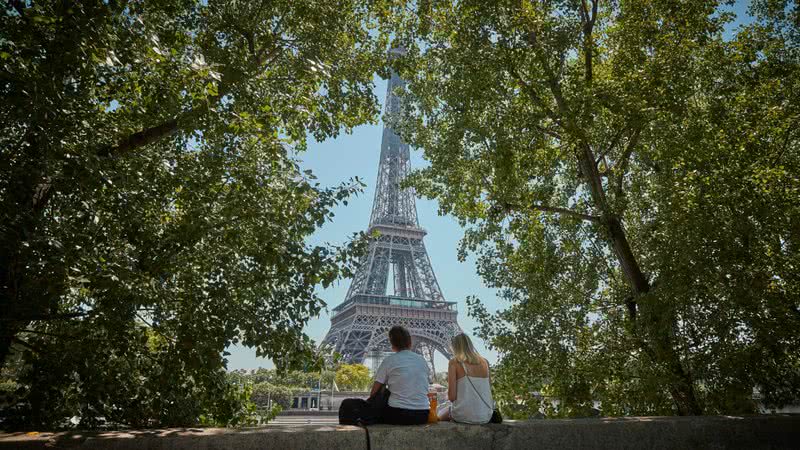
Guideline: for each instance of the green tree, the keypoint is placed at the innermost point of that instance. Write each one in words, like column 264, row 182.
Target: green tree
column 629, row 180
column 441, row 378
column 297, row 378
column 124, row 376
column 265, row 393
column 353, row 377
column 153, row 211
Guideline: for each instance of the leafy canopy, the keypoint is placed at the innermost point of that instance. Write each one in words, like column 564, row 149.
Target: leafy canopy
column 153, row 209
column 628, row 177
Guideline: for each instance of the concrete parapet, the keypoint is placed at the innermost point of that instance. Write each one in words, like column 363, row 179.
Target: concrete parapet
column 671, row 433
column 710, row 432
column 263, row 438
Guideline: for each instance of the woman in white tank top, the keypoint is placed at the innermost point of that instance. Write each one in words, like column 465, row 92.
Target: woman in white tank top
column 469, row 388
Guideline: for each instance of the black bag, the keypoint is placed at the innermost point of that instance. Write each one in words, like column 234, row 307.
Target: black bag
column 357, row 411
column 380, row 400
column 352, row 410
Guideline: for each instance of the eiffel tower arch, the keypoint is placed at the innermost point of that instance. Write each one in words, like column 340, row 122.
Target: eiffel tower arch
column 394, row 283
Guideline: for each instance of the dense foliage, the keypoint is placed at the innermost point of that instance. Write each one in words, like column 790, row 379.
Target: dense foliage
column 152, row 210
column 628, row 173
column 353, row 377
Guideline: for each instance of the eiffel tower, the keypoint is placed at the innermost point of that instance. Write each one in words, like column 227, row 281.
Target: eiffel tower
column 394, row 283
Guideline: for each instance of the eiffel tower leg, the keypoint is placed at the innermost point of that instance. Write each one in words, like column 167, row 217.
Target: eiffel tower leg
column 354, row 345
column 367, row 332
column 431, row 362
column 334, row 337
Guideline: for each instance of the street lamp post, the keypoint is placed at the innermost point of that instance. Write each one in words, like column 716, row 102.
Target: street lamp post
column 319, row 391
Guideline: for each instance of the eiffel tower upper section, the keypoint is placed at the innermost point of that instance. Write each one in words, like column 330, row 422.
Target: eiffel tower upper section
column 394, row 283
column 398, row 256
column 393, row 206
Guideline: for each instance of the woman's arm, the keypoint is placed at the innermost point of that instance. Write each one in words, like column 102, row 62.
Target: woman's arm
column 452, row 380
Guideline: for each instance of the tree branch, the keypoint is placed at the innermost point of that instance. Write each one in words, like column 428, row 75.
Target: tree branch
column 172, row 126
column 588, row 26
column 156, row 329
column 584, row 12
column 26, row 345
column 144, row 137
column 623, row 162
column 586, row 162
column 547, row 132
column 44, row 317
column 785, row 145
column 567, row 212
column 18, row 6
column 555, row 88
column 534, row 96
column 611, row 145
column 44, row 333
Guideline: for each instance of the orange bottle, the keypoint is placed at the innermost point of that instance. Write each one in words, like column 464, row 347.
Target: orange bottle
column 432, row 416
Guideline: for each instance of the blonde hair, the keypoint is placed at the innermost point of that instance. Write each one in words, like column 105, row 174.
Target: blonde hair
column 463, row 350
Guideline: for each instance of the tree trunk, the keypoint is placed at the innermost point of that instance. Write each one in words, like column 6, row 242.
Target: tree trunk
column 682, row 391
column 682, row 388
column 6, row 338
column 9, row 320
column 29, row 198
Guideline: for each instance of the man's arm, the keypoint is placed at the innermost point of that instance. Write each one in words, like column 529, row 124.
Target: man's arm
column 381, row 377
column 375, row 388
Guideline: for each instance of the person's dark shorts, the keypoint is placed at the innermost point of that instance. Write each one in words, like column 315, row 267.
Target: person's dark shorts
column 398, row 416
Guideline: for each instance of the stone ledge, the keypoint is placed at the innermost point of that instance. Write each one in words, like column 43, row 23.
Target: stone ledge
column 710, row 432
column 263, row 438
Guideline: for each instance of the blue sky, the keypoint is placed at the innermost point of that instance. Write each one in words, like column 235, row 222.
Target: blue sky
column 356, row 154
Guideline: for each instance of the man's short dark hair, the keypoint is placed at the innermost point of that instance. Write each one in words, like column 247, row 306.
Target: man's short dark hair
column 399, row 337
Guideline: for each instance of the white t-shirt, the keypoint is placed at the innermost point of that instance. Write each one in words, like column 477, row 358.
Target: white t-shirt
column 405, row 373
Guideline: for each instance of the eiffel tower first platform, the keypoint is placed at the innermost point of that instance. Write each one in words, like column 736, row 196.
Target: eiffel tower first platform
column 394, row 283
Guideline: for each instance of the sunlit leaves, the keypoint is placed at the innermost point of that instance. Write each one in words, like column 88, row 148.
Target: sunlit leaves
column 353, row 377
column 150, row 186
column 695, row 141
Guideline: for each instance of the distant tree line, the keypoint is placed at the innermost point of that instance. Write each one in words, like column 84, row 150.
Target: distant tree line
column 271, row 387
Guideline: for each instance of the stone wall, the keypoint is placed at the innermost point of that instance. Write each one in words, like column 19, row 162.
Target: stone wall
column 756, row 432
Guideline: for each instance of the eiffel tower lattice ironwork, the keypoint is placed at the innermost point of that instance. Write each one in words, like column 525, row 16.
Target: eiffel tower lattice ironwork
column 394, row 283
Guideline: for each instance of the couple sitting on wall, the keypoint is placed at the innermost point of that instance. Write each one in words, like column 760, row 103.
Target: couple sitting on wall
column 400, row 393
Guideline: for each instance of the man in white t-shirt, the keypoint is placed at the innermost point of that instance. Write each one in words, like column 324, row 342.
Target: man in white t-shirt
column 405, row 374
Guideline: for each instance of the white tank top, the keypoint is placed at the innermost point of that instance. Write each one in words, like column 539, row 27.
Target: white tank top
column 469, row 407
